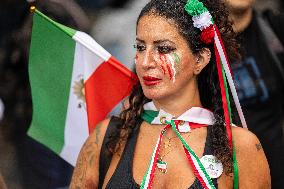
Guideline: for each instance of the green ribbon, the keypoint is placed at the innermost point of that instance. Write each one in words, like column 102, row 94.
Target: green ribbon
column 191, row 152
column 235, row 163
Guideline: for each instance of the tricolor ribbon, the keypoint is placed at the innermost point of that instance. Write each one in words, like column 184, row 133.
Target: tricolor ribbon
column 198, row 168
column 195, row 117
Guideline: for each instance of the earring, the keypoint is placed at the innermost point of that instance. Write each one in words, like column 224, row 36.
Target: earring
column 198, row 60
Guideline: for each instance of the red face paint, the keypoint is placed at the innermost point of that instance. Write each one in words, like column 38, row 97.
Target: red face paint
column 164, row 60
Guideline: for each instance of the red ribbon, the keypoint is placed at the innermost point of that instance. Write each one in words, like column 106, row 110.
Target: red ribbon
column 223, row 92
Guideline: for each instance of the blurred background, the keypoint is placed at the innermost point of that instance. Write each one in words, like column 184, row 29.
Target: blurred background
column 24, row 163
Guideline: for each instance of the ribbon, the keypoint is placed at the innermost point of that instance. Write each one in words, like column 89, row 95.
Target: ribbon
column 195, row 117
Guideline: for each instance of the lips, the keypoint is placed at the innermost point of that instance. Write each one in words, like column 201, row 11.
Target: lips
column 150, row 80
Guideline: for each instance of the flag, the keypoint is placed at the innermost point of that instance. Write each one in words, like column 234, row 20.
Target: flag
column 75, row 83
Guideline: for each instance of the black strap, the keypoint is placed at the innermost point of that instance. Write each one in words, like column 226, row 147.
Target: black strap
column 105, row 157
column 269, row 36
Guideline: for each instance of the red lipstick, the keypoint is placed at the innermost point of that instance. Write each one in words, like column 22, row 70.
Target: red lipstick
column 149, row 80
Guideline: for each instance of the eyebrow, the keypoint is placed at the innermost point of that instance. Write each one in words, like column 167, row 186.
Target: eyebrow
column 140, row 40
column 156, row 42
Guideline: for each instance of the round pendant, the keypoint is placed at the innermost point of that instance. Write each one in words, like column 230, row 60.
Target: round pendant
column 213, row 167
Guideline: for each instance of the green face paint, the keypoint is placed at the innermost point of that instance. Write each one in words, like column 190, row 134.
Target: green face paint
column 176, row 58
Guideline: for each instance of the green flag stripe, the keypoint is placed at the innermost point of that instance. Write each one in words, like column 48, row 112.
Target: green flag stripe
column 69, row 31
column 50, row 69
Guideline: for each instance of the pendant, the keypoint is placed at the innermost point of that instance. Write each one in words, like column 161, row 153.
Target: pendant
column 213, row 167
column 162, row 166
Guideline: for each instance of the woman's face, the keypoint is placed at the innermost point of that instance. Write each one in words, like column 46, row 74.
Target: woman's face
column 165, row 64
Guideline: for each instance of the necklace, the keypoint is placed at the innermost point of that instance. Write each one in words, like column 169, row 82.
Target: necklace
column 168, row 148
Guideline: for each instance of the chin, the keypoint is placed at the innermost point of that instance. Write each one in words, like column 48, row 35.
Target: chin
column 154, row 94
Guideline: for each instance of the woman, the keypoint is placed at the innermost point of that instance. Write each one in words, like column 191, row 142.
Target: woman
column 178, row 101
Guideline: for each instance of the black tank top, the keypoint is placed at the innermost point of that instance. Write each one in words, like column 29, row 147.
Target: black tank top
column 122, row 177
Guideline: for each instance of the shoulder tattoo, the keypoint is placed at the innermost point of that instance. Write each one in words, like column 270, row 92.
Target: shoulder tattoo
column 79, row 174
column 258, row 147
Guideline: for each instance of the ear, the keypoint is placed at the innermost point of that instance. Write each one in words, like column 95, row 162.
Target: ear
column 202, row 59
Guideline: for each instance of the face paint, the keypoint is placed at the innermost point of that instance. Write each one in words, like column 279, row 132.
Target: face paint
column 170, row 61
column 163, row 60
column 165, row 64
column 176, row 58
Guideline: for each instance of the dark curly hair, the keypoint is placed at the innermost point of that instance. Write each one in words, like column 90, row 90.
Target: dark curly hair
column 208, row 82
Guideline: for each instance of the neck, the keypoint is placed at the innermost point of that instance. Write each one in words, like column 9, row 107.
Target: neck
column 241, row 19
column 181, row 102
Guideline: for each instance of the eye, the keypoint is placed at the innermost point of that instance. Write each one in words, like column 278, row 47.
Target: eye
column 165, row 49
column 140, row 47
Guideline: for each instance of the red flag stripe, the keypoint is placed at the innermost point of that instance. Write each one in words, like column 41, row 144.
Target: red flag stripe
column 105, row 88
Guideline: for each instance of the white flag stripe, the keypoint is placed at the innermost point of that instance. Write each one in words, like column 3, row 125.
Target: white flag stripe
column 76, row 125
column 230, row 80
column 94, row 54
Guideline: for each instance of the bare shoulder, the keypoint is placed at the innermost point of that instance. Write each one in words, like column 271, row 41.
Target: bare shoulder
column 244, row 137
column 252, row 163
column 86, row 172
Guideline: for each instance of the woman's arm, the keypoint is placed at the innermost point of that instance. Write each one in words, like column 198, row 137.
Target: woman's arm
column 252, row 163
column 86, row 172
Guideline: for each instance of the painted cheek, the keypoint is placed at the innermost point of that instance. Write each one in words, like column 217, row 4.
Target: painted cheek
column 169, row 63
column 176, row 59
column 172, row 64
column 165, row 65
column 162, row 63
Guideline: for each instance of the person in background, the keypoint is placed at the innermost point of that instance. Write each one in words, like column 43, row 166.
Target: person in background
column 259, row 78
column 119, row 42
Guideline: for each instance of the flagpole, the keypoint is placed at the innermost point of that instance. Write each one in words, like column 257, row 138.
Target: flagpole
column 32, row 5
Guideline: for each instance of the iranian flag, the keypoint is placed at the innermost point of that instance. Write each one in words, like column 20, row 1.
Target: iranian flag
column 75, row 84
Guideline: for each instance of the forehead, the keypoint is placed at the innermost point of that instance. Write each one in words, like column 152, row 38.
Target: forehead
column 152, row 27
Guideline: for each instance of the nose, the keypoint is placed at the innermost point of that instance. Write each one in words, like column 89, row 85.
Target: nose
column 149, row 60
